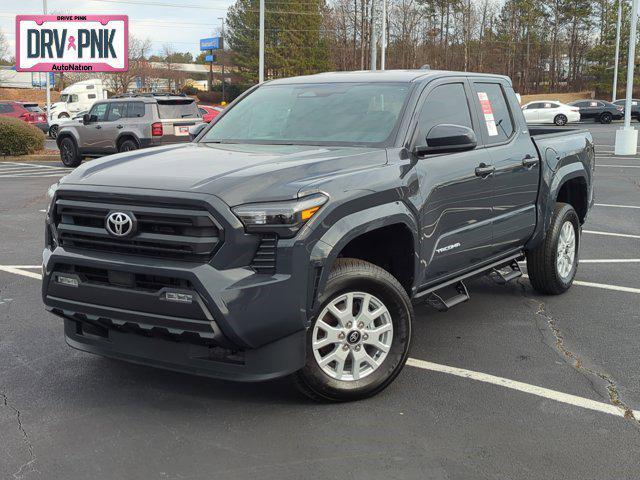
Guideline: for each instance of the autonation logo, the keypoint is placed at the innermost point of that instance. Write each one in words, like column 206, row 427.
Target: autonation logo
column 51, row 43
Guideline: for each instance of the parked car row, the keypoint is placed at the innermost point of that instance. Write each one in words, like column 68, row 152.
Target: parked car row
column 558, row 113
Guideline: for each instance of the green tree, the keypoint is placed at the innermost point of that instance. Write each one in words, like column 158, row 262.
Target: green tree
column 294, row 40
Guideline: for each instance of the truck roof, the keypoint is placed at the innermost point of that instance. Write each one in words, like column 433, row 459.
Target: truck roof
column 367, row 76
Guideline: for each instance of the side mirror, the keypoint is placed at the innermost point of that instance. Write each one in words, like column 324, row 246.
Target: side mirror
column 445, row 138
column 86, row 118
column 195, row 130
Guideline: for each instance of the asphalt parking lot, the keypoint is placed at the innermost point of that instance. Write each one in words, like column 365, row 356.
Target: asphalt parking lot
column 510, row 385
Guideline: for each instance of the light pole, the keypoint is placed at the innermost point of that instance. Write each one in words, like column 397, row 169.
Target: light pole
column 261, row 48
column 374, row 40
column 222, row 40
column 47, row 74
column 614, row 92
column 383, row 43
column 627, row 136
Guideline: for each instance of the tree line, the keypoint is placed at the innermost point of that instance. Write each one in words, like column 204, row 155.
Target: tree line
column 544, row 46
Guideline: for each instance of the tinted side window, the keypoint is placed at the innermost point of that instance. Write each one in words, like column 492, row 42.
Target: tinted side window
column 99, row 111
column 135, row 110
column 91, row 95
column 444, row 104
column 497, row 122
column 116, row 112
column 5, row 108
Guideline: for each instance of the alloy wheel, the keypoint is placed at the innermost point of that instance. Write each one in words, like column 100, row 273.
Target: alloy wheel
column 566, row 250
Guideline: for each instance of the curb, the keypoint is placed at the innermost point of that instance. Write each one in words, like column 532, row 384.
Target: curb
column 30, row 158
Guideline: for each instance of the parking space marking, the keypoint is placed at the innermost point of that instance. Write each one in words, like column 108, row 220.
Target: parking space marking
column 616, row 206
column 623, row 235
column 600, row 165
column 28, row 170
column 459, row 372
column 523, row 387
column 19, row 271
column 611, row 260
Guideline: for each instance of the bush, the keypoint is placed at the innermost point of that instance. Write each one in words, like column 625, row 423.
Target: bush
column 209, row 98
column 19, row 138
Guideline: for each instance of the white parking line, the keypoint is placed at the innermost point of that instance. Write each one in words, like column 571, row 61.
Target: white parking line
column 616, row 206
column 600, row 165
column 611, row 260
column 624, row 235
column 523, row 387
column 32, row 165
column 18, row 271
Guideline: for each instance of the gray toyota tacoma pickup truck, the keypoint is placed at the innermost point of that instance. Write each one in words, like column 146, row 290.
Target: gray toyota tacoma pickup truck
column 294, row 234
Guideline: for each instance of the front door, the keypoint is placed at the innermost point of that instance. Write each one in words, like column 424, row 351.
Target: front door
column 455, row 204
column 92, row 139
column 517, row 166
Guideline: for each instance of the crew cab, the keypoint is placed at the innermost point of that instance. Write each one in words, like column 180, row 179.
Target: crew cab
column 277, row 243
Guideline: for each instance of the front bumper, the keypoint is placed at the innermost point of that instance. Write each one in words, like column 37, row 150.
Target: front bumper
column 238, row 325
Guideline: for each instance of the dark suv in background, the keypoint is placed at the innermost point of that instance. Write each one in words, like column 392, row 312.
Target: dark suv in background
column 121, row 124
column 635, row 107
column 599, row 110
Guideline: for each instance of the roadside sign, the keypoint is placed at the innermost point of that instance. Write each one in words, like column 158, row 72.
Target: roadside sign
column 72, row 43
column 211, row 43
column 210, row 58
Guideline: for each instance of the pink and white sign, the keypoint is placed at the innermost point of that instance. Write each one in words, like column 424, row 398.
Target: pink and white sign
column 72, row 43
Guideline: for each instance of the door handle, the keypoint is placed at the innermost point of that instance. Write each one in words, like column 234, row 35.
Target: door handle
column 529, row 161
column 119, row 126
column 98, row 127
column 483, row 170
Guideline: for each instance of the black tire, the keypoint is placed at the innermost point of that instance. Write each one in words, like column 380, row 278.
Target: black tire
column 542, row 265
column 63, row 115
column 53, row 131
column 560, row 120
column 352, row 275
column 69, row 152
column 127, row 145
column 606, row 117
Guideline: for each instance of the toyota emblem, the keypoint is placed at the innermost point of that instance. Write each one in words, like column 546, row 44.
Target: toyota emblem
column 119, row 224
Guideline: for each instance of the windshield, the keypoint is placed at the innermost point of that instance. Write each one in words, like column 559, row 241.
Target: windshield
column 178, row 109
column 64, row 97
column 316, row 114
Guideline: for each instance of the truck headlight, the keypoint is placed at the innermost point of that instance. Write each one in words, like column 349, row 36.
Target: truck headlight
column 283, row 218
column 51, row 192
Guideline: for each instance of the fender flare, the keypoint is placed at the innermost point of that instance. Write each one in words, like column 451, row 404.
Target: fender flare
column 64, row 134
column 325, row 251
column 549, row 198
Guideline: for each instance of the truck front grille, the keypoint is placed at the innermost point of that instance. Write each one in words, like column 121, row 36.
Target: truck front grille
column 166, row 230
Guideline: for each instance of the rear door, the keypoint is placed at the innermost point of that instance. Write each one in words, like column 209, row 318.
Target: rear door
column 516, row 162
column 455, row 212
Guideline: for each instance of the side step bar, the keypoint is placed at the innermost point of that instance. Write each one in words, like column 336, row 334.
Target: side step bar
column 500, row 276
column 441, row 304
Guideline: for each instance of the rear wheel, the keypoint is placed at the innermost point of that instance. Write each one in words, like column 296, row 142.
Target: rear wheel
column 359, row 341
column 63, row 115
column 553, row 264
column 127, row 145
column 605, row 117
column 69, row 153
column 560, row 120
column 53, row 131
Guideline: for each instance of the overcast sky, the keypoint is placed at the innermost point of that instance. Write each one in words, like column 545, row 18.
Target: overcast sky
column 181, row 26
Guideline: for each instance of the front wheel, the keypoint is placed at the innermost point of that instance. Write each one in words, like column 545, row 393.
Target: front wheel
column 69, row 153
column 359, row 341
column 560, row 120
column 552, row 265
column 53, row 131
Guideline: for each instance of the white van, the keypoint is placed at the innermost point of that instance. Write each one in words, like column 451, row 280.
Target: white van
column 78, row 97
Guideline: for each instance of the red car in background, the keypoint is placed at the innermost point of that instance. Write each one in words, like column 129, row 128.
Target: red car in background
column 29, row 112
column 208, row 112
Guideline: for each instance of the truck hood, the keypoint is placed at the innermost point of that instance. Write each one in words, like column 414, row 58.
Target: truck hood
column 235, row 173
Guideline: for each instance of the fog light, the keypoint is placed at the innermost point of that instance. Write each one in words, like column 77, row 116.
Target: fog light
column 178, row 297
column 68, row 281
